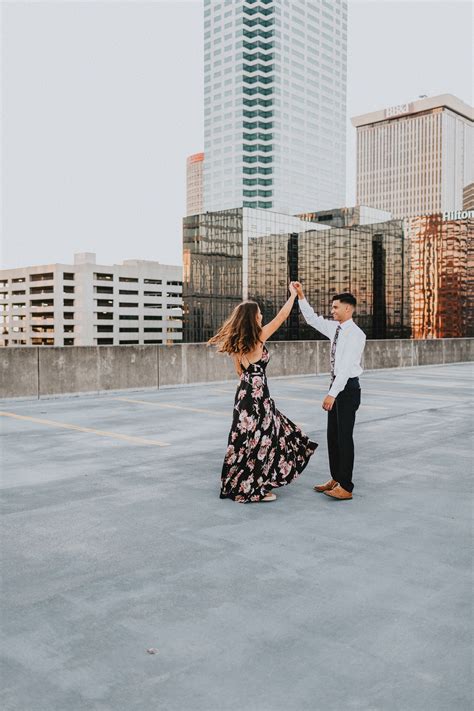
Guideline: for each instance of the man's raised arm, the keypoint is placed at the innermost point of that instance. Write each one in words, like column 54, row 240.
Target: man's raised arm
column 321, row 324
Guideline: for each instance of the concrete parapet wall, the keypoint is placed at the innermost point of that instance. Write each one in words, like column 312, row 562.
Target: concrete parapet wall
column 35, row 372
column 86, row 369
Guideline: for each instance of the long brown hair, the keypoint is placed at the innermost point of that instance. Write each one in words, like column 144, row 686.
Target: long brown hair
column 240, row 333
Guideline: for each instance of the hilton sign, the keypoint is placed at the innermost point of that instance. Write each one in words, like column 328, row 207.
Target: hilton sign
column 458, row 214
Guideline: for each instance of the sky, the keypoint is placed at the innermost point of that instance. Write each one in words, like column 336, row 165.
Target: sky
column 102, row 101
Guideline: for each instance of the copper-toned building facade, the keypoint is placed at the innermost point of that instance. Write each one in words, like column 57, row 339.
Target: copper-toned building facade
column 441, row 276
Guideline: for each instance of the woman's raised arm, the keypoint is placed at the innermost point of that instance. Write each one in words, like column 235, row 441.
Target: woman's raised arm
column 280, row 318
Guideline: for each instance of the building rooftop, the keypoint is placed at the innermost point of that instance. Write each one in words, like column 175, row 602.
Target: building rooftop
column 116, row 542
column 447, row 101
column 83, row 258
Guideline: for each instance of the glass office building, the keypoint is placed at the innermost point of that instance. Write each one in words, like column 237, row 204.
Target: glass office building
column 274, row 104
column 370, row 261
column 238, row 254
column 219, row 262
column 212, row 271
column 412, row 278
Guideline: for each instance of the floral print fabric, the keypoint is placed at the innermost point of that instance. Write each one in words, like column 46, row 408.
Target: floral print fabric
column 265, row 449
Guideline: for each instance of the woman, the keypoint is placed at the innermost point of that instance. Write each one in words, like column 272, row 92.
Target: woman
column 265, row 449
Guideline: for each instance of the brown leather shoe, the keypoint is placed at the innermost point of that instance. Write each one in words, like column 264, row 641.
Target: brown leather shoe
column 327, row 486
column 338, row 493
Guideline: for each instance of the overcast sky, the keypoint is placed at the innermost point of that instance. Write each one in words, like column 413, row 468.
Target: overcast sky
column 102, row 102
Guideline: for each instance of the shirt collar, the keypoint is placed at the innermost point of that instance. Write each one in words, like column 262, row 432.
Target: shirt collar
column 346, row 324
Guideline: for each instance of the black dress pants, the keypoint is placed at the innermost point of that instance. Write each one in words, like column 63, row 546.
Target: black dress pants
column 341, row 421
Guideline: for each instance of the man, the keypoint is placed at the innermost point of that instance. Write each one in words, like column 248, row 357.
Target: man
column 343, row 399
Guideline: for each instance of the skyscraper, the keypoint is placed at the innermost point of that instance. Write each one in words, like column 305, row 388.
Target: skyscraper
column 274, row 104
column 416, row 158
column 194, row 186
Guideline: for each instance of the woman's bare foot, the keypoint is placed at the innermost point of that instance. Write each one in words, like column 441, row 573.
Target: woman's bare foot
column 269, row 497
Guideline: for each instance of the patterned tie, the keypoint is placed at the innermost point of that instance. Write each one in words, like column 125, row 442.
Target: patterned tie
column 333, row 353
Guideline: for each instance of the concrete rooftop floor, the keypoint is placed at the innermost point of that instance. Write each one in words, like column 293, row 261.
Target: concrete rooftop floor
column 114, row 544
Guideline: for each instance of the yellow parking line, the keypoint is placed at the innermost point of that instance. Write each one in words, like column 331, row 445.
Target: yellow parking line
column 170, row 406
column 103, row 433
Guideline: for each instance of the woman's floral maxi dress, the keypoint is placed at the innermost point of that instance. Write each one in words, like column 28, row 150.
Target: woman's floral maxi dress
column 265, row 449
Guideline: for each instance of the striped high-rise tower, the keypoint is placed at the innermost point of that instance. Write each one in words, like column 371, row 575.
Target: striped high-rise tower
column 275, row 104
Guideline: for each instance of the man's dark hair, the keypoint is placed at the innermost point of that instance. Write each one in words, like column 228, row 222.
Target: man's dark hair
column 345, row 298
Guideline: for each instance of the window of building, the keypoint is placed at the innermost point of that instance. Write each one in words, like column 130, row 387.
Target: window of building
column 153, row 318
column 128, row 343
column 103, row 277
column 40, row 302
column 105, row 341
column 42, row 277
column 153, row 293
column 18, row 280
column 152, row 306
column 68, row 302
column 104, row 315
column 104, row 329
column 42, row 341
column 134, row 292
column 68, row 275
column 152, row 281
column 130, row 279
column 68, row 314
column 105, row 302
column 127, row 317
column 69, row 341
column 104, row 289
column 42, row 329
column 69, row 328
column 41, row 289
column 125, row 305
column 128, row 330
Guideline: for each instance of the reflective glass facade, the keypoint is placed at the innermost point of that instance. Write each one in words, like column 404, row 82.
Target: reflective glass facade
column 412, row 278
column 212, row 271
column 368, row 260
column 441, row 277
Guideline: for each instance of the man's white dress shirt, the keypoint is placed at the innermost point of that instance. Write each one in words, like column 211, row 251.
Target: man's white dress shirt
column 349, row 347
